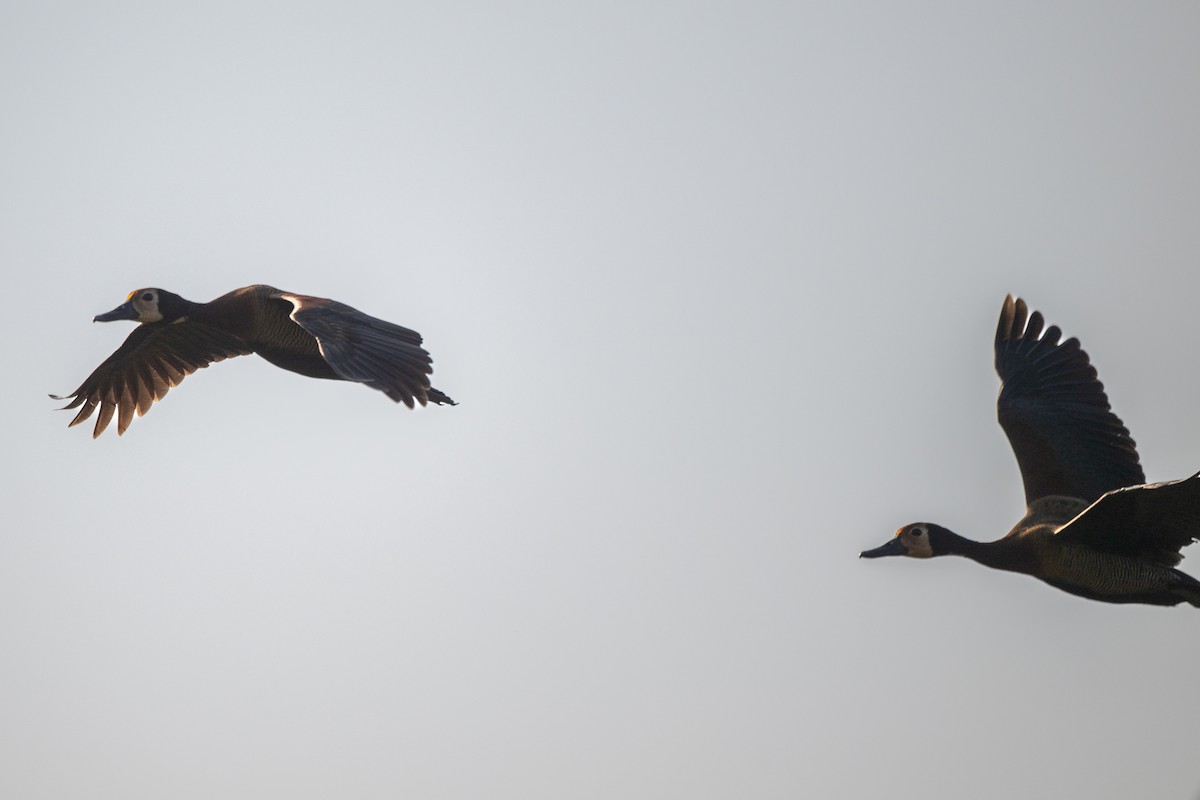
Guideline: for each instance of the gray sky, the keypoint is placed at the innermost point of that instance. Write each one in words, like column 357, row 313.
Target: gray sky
column 715, row 285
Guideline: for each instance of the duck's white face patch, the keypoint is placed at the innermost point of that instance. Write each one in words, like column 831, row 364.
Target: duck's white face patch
column 145, row 303
column 915, row 539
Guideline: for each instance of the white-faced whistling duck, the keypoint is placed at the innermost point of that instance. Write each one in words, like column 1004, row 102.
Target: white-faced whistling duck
column 310, row 335
column 1093, row 527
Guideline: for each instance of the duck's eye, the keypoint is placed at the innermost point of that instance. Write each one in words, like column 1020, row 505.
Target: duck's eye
column 148, row 296
column 918, row 531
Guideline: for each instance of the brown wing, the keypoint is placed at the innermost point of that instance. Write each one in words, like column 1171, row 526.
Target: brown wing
column 1151, row 522
column 143, row 369
column 1056, row 414
column 368, row 350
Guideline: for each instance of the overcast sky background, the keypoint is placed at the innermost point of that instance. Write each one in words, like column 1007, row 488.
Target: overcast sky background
column 715, row 285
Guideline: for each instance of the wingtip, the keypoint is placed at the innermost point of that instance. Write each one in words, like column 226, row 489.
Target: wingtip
column 1004, row 324
column 70, row 401
column 1014, row 315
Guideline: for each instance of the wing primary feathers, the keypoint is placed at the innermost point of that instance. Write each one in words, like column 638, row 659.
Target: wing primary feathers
column 1056, row 413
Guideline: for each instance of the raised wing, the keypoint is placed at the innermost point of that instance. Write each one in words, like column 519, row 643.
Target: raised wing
column 368, row 350
column 152, row 359
column 1056, row 414
column 1151, row 522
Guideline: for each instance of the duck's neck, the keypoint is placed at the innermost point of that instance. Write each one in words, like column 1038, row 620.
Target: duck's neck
column 998, row 554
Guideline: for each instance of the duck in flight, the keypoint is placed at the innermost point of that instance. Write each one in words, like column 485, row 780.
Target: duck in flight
column 310, row 335
column 1093, row 526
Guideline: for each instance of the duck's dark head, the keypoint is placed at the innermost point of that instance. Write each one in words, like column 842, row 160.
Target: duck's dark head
column 148, row 305
column 918, row 540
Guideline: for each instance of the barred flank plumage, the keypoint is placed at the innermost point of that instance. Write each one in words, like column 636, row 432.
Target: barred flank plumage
column 1107, row 575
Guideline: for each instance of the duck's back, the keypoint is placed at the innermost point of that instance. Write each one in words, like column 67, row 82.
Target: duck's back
column 260, row 316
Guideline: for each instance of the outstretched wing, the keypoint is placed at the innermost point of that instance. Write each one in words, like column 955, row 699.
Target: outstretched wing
column 1056, row 414
column 152, row 359
column 368, row 350
column 1151, row 522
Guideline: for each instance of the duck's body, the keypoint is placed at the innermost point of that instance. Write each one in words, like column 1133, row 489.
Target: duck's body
column 312, row 336
column 1078, row 569
column 1093, row 527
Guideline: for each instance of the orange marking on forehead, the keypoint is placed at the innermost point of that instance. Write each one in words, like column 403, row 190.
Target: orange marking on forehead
column 129, row 296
